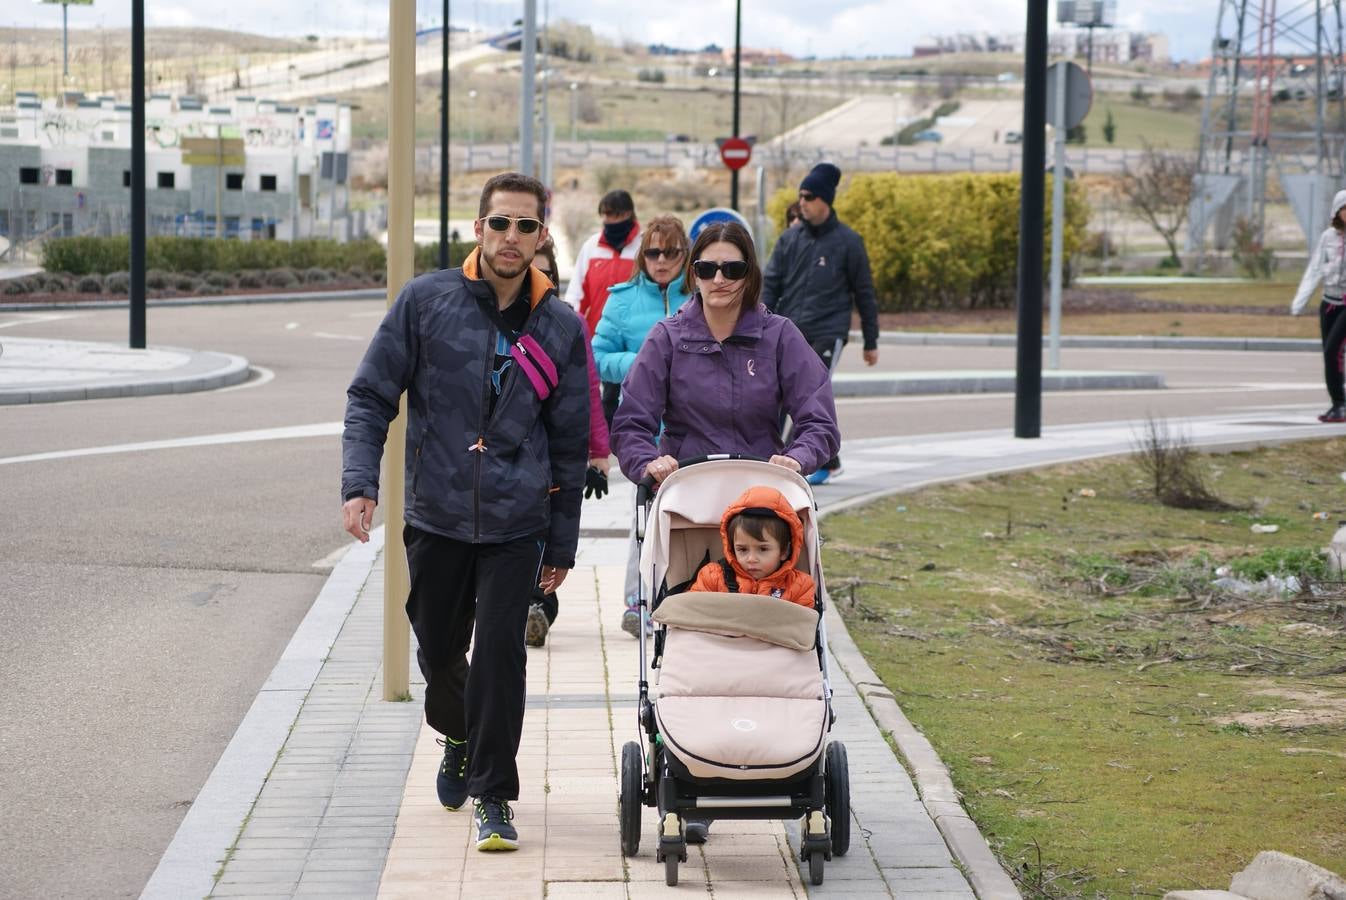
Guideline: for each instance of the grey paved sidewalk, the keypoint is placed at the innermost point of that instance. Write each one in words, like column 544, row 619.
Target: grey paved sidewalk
column 42, row 370
column 352, row 783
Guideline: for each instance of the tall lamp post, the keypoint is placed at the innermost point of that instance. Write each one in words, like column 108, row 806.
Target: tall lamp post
column 1028, row 372
column 738, row 60
column 65, row 31
column 444, row 147
column 137, row 287
column 574, row 109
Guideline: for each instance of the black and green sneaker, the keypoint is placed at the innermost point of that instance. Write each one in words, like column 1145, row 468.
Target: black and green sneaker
column 493, row 829
column 452, row 781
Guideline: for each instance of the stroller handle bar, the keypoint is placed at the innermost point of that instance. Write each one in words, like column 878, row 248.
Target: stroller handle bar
column 645, row 487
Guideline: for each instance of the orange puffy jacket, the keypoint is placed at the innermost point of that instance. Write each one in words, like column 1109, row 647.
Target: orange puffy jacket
column 787, row 582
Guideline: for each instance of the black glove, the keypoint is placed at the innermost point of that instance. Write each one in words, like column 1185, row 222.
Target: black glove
column 595, row 484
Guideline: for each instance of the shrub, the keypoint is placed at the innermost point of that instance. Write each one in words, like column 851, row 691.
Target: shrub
column 281, row 278
column 186, row 284
column 57, row 283
column 316, row 276
column 156, row 280
column 219, row 279
column 1096, row 242
column 90, row 284
column 100, row 255
column 1253, row 258
column 15, row 286
column 206, row 289
column 945, row 241
column 118, row 283
column 250, row 280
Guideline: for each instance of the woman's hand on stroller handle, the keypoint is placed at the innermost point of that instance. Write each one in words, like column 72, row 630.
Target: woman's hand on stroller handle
column 785, row 462
column 660, row 468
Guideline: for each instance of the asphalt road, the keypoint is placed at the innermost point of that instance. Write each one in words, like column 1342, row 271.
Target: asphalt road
column 145, row 596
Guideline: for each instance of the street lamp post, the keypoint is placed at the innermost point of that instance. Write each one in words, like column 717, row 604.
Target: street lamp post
column 471, row 125
column 444, row 147
column 574, row 104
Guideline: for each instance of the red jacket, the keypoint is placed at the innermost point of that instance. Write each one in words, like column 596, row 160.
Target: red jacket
column 787, row 582
column 599, row 266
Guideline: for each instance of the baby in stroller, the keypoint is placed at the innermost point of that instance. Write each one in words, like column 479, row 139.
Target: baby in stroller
column 762, row 538
column 737, row 722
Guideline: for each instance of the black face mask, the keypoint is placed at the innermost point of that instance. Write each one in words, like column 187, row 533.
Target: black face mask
column 616, row 233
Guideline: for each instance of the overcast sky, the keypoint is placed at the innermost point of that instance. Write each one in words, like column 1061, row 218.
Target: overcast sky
column 800, row 27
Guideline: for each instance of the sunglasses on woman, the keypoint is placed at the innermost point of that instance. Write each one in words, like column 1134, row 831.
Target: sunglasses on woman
column 734, row 269
column 669, row 253
column 501, row 224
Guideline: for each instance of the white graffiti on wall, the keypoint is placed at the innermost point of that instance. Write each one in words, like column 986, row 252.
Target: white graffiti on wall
column 65, row 128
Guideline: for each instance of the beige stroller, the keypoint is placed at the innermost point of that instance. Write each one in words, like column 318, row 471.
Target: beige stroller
column 738, row 725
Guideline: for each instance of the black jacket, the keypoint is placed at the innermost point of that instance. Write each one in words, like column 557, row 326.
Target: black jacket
column 815, row 275
column 470, row 477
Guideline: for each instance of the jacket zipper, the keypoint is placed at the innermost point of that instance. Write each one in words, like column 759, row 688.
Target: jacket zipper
column 479, row 447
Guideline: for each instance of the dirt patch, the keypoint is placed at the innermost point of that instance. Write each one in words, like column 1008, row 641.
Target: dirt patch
column 1312, row 709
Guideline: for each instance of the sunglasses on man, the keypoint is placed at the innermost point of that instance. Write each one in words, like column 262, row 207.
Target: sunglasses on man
column 669, row 253
column 807, row 197
column 525, row 224
column 734, row 269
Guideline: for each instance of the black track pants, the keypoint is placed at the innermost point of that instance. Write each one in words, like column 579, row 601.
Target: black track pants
column 474, row 595
column 830, row 353
column 1332, row 323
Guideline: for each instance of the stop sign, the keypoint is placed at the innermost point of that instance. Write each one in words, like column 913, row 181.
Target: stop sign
column 735, row 152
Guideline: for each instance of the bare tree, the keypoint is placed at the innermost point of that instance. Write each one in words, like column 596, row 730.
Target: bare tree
column 1160, row 191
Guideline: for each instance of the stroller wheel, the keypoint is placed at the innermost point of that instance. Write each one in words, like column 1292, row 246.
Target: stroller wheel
column 671, row 871
column 816, row 864
column 838, row 779
column 632, row 790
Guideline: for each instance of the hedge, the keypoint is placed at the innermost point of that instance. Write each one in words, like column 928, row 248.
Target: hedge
column 943, row 241
column 101, row 255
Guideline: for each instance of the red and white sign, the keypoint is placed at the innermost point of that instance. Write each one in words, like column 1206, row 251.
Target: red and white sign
column 735, row 152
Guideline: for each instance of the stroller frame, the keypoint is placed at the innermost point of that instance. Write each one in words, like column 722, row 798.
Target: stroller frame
column 654, row 777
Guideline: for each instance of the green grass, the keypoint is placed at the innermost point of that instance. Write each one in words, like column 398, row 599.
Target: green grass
column 1083, row 700
column 1138, row 123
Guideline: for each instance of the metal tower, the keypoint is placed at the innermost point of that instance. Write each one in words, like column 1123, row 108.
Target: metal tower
column 1275, row 103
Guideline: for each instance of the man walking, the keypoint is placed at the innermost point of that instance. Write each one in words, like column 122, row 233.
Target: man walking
column 606, row 258
column 817, row 273
column 495, row 371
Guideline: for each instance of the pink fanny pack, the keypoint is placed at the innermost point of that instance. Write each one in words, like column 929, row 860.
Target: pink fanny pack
column 534, row 362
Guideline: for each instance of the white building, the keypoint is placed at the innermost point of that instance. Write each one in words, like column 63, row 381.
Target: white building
column 65, row 168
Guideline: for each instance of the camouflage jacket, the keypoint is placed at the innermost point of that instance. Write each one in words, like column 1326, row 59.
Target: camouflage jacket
column 471, row 478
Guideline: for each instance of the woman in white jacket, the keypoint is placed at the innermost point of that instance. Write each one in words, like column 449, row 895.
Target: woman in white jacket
column 1328, row 265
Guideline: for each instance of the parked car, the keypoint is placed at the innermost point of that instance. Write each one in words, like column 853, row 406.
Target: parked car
column 929, row 135
column 1013, row 137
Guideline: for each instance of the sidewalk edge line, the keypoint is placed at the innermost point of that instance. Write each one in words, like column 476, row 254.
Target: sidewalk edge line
column 210, row 828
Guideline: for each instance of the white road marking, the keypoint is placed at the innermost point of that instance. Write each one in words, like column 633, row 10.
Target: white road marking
column 1165, row 392
column 340, row 337
column 38, row 318
column 323, row 429
column 330, row 560
column 291, row 326
column 264, row 375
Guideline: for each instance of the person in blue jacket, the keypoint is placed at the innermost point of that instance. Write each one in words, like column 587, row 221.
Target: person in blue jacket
column 654, row 292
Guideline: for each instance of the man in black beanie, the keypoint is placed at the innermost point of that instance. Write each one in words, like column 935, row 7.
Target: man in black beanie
column 817, row 272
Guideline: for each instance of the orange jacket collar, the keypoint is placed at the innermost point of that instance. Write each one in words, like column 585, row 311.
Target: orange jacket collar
column 538, row 281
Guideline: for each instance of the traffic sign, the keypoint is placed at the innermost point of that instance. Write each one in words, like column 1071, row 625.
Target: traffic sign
column 714, row 216
column 1079, row 93
column 735, row 152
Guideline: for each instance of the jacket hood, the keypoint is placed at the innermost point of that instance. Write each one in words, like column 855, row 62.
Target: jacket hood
column 538, row 282
column 762, row 498
column 1338, row 202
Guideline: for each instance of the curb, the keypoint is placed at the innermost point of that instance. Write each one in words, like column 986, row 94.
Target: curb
column 221, row 370
column 202, row 841
column 1122, row 342
column 890, row 384
column 221, row 300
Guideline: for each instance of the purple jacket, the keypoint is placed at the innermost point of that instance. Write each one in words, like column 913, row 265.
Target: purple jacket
column 724, row 397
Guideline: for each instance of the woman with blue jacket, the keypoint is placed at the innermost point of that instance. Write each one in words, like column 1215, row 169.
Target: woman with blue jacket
column 655, row 292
